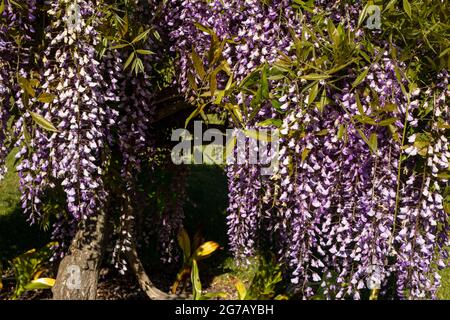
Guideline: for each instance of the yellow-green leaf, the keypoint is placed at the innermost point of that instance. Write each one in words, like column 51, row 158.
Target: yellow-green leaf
column 315, row 76
column 120, row 46
column 313, row 93
column 198, row 64
column 271, row 122
column 241, row 289
column 373, row 142
column 195, row 279
column 129, row 60
column 46, row 97
column 305, row 154
column 205, row 250
column 26, row 85
column 42, row 283
column 387, row 122
column 341, row 131
column 360, row 77
column 407, row 8
column 184, row 243
column 43, row 123
column 142, row 51
column 191, row 80
column 141, row 36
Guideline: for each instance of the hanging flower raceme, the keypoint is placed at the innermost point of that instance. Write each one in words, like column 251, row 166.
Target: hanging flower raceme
column 16, row 34
column 423, row 226
column 72, row 106
column 333, row 208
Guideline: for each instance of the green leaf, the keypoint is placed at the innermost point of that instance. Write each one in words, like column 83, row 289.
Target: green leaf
column 315, row 76
column 264, row 83
column 203, row 28
column 373, row 142
column 359, row 104
column 2, row 7
column 363, row 14
column 276, row 104
column 42, row 283
column 46, row 97
column 407, row 8
column 323, row 132
column 390, row 5
column 398, row 75
column 142, row 51
column 191, row 116
column 141, row 36
column 191, row 80
column 43, row 123
column 219, row 96
column 120, row 46
column 443, row 53
column 323, row 100
column 341, row 131
column 213, row 83
column 195, row 280
column 313, row 93
column 229, row 148
column 391, row 107
column 360, row 77
column 138, row 65
column 129, row 60
column 363, row 136
column 387, row 122
column 365, row 120
column 198, row 64
column 270, row 122
column 305, row 154
column 26, row 134
column 185, row 243
column 241, row 289
column 444, row 175
column 26, row 85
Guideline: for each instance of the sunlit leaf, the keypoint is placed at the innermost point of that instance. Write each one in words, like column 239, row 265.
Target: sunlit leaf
column 205, row 250
column 407, row 8
column 42, row 283
column 241, row 289
column 43, row 123
column 46, row 97
column 129, row 60
column 195, row 280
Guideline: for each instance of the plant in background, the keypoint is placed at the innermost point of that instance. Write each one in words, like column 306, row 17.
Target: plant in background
column 265, row 283
column 28, row 268
column 193, row 252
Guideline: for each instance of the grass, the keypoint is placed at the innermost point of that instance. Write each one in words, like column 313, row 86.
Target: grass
column 444, row 290
column 9, row 189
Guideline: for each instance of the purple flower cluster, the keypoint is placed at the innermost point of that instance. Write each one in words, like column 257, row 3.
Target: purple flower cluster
column 15, row 21
column 342, row 212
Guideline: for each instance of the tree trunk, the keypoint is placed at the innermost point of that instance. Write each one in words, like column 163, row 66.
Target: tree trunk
column 78, row 272
column 146, row 285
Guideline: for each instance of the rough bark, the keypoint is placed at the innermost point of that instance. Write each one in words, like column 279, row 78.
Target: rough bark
column 79, row 270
